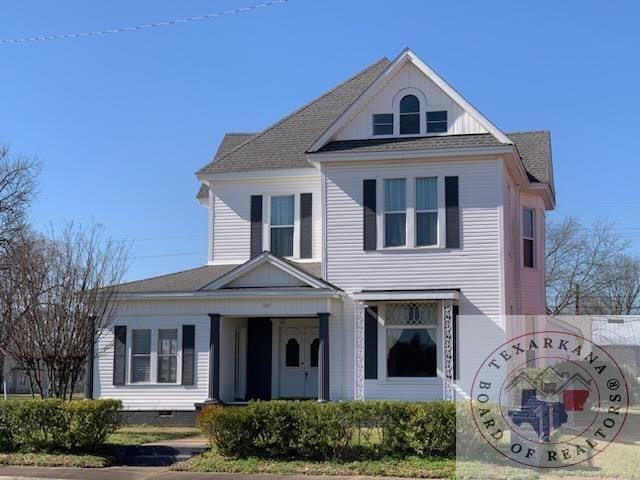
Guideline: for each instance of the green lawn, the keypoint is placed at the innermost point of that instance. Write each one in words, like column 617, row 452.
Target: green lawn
column 139, row 434
column 412, row 466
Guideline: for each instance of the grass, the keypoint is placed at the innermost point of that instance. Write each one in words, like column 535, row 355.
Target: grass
column 139, row 434
column 411, row 466
column 55, row 460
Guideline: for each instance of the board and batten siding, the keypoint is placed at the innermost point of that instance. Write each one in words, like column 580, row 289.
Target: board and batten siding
column 230, row 213
column 409, row 80
column 475, row 268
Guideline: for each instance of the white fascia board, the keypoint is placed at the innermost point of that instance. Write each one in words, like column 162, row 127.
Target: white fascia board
column 240, row 293
column 259, row 175
column 407, row 295
column 409, row 154
column 546, row 192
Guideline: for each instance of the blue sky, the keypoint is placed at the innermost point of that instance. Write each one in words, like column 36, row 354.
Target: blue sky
column 122, row 121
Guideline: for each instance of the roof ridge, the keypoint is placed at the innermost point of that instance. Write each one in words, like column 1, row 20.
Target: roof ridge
column 298, row 110
column 528, row 131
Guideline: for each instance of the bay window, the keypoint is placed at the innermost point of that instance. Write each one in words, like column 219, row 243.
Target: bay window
column 410, row 337
column 282, row 221
column 395, row 212
column 426, row 211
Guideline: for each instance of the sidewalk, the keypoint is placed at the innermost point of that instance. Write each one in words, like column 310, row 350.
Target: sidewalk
column 147, row 473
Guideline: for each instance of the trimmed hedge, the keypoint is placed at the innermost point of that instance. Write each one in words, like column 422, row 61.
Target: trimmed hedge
column 310, row 430
column 56, row 425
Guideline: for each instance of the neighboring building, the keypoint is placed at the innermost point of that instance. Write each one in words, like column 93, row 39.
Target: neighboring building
column 367, row 246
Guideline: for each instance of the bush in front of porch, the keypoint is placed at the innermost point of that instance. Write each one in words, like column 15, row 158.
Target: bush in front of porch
column 330, row 431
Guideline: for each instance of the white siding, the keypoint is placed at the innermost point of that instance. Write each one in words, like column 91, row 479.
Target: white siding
column 532, row 279
column 231, row 208
column 475, row 268
column 266, row 275
column 409, row 79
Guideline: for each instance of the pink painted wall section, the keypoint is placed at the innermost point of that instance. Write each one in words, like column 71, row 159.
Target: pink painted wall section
column 532, row 289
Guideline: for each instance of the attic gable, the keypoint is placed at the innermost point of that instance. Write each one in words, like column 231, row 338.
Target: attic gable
column 408, row 75
column 266, row 275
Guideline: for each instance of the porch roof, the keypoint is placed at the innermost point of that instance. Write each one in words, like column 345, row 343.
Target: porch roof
column 391, row 295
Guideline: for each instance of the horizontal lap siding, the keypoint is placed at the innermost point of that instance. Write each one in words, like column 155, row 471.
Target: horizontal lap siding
column 155, row 397
column 231, row 213
column 532, row 279
column 475, row 268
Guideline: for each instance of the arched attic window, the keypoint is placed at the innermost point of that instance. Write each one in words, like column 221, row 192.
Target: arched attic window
column 409, row 115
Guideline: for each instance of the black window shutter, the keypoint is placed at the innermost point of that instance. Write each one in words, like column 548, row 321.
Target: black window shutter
column 256, row 225
column 455, row 342
column 371, row 343
column 119, row 354
column 452, row 212
column 306, row 225
column 188, row 354
column 370, row 239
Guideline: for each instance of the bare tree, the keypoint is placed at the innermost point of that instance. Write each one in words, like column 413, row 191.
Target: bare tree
column 58, row 296
column 589, row 270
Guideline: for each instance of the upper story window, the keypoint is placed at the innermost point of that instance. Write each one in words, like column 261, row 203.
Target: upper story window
column 383, row 124
column 395, row 212
column 409, row 115
column 437, row 122
column 528, row 232
column 282, row 213
column 426, row 211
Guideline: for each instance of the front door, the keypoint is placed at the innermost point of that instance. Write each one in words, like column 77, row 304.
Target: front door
column 299, row 347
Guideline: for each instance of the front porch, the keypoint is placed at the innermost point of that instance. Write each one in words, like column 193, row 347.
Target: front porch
column 265, row 358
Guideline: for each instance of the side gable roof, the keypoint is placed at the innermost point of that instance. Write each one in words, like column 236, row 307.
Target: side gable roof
column 229, row 142
column 283, row 145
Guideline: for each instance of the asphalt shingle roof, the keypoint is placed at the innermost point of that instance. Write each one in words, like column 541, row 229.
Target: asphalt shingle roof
column 284, row 144
column 195, row 279
column 534, row 148
column 229, row 142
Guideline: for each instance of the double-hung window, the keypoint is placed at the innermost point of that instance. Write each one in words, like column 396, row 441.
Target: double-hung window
column 426, row 211
column 383, row 123
column 167, row 355
column 282, row 213
column 528, row 235
column 410, row 336
column 140, row 356
column 395, row 212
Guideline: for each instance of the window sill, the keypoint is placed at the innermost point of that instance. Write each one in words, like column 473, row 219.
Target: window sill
column 152, row 384
column 426, row 248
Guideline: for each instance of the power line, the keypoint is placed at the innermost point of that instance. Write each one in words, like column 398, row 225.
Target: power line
column 147, row 26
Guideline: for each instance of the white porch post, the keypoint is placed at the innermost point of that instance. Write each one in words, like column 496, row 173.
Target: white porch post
column 359, row 346
column 447, row 349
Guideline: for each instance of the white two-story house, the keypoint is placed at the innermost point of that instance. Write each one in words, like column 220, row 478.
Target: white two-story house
column 370, row 245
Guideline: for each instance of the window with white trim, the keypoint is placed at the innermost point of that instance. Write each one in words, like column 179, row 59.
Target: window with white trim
column 383, row 123
column 437, row 121
column 409, row 115
column 140, row 356
column 282, row 222
column 426, row 227
column 395, row 212
column 168, row 355
column 528, row 236
column 410, row 340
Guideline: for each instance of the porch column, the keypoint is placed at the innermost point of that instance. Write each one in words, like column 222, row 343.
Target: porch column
column 447, row 349
column 359, row 334
column 323, row 377
column 214, row 358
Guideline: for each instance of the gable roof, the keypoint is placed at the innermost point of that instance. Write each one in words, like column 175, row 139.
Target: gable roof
column 195, row 279
column 535, row 150
column 228, row 143
column 284, row 144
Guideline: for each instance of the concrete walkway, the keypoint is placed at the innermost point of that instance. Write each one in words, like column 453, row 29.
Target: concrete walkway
column 146, row 473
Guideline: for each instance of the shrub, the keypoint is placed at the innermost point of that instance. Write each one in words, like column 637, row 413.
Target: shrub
column 54, row 425
column 330, row 430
